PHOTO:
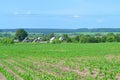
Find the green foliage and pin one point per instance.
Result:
(51, 35)
(67, 38)
(75, 39)
(103, 39)
(92, 39)
(118, 37)
(21, 34)
(57, 41)
(110, 37)
(6, 41)
(83, 39)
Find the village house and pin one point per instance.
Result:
(52, 39)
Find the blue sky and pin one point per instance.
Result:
(59, 14)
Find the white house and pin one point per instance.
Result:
(26, 39)
(61, 38)
(39, 39)
(52, 39)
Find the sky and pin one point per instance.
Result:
(59, 14)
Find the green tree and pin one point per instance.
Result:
(103, 39)
(6, 41)
(67, 38)
(51, 35)
(110, 37)
(98, 39)
(92, 39)
(21, 34)
(117, 36)
(83, 39)
(75, 39)
(58, 41)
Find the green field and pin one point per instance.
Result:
(24, 61)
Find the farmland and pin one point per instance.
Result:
(72, 61)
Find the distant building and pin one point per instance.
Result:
(61, 38)
(26, 40)
(39, 39)
(16, 41)
(52, 39)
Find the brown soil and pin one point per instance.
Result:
(118, 77)
(94, 73)
(2, 77)
(81, 73)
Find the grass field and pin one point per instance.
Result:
(60, 61)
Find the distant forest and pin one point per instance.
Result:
(47, 31)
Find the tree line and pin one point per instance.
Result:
(21, 34)
(110, 37)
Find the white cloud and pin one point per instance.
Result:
(22, 13)
(76, 16)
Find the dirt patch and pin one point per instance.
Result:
(81, 73)
(2, 77)
(1, 65)
(109, 57)
(19, 69)
(95, 73)
(118, 77)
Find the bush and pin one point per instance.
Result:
(110, 38)
(75, 39)
(57, 41)
(83, 39)
(6, 41)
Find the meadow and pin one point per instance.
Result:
(66, 61)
